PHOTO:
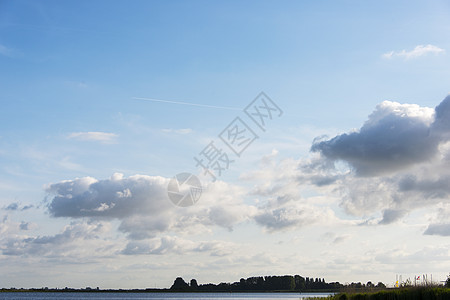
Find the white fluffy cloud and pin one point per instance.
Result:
(394, 137)
(117, 197)
(418, 51)
(141, 204)
(399, 162)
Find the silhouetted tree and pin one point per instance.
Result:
(242, 284)
(194, 284)
(299, 282)
(269, 283)
(179, 285)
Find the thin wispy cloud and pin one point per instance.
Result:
(418, 51)
(96, 136)
(77, 84)
(187, 103)
(177, 131)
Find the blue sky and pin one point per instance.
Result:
(363, 206)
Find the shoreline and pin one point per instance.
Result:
(166, 291)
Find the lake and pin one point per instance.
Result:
(161, 296)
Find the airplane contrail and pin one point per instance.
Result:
(187, 103)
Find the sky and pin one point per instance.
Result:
(340, 169)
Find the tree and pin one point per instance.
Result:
(299, 282)
(179, 285)
(287, 283)
(447, 282)
(242, 284)
(381, 285)
(194, 284)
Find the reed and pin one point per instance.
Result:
(410, 293)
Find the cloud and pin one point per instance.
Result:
(428, 187)
(439, 222)
(77, 84)
(398, 161)
(279, 187)
(12, 206)
(427, 254)
(4, 226)
(116, 197)
(171, 244)
(24, 225)
(334, 238)
(418, 51)
(98, 136)
(12, 228)
(438, 229)
(396, 136)
(61, 244)
(341, 238)
(141, 204)
(441, 125)
(391, 216)
(15, 206)
(177, 131)
(287, 213)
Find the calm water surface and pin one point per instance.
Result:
(158, 296)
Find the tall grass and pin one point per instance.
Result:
(411, 293)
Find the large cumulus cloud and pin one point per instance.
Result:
(141, 204)
(117, 197)
(394, 137)
(399, 161)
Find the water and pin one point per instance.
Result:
(161, 296)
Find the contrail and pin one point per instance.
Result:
(188, 103)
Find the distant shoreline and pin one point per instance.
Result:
(150, 290)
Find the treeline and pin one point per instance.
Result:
(295, 283)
